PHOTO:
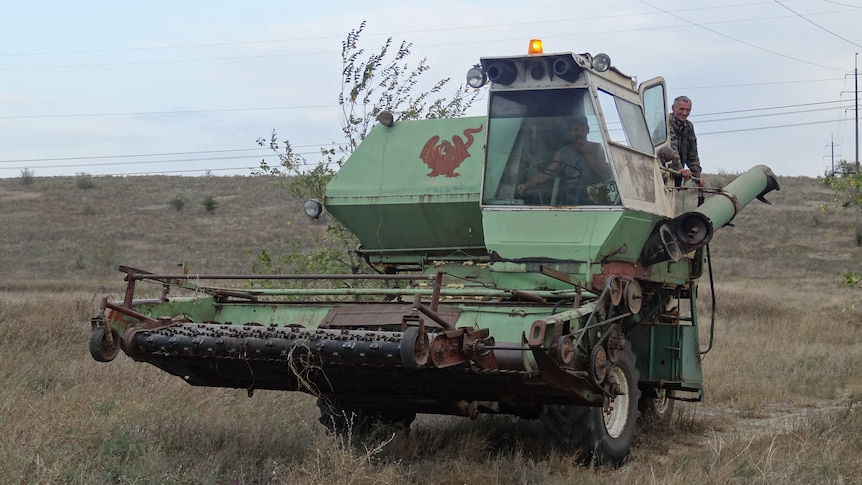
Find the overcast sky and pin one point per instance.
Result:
(187, 86)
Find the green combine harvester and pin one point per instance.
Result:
(534, 262)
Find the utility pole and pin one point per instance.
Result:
(832, 146)
(856, 92)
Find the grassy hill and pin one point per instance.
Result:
(783, 381)
(79, 229)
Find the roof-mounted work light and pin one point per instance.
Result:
(502, 72)
(601, 62)
(476, 77)
(566, 69)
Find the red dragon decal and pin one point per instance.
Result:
(445, 157)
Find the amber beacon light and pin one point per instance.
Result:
(535, 47)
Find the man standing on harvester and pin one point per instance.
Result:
(684, 142)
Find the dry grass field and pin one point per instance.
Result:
(783, 381)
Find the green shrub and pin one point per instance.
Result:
(210, 203)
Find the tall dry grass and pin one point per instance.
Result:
(783, 381)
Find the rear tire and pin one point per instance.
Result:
(605, 434)
(656, 405)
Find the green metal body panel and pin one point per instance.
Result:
(672, 273)
(625, 241)
(413, 189)
(201, 309)
(515, 235)
(567, 235)
(669, 354)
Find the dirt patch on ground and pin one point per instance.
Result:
(776, 418)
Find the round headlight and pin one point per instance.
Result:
(313, 208)
(601, 62)
(476, 77)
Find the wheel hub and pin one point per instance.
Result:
(615, 411)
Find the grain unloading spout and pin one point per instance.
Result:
(688, 232)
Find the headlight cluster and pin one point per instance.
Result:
(536, 66)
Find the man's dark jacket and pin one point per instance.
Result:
(684, 144)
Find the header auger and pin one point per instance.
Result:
(572, 300)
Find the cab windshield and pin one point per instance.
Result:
(545, 148)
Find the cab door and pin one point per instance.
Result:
(654, 101)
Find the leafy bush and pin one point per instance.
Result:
(210, 203)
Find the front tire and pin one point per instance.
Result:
(100, 349)
(604, 434)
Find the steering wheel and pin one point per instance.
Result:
(548, 192)
(571, 171)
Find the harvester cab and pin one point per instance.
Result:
(528, 262)
(570, 177)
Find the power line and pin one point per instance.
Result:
(186, 111)
(126, 156)
(842, 4)
(311, 164)
(153, 162)
(772, 107)
(471, 27)
(145, 162)
(266, 152)
(817, 25)
(766, 127)
(227, 110)
(171, 61)
(163, 47)
(162, 172)
(749, 44)
(164, 154)
(764, 115)
(770, 83)
(139, 162)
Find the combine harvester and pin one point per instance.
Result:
(512, 277)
